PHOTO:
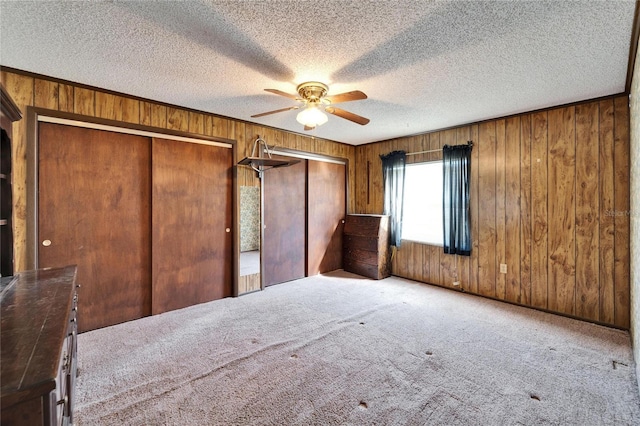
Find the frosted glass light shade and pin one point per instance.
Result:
(311, 117)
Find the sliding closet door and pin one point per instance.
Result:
(192, 219)
(93, 211)
(283, 243)
(326, 211)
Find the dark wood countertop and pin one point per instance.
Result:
(35, 313)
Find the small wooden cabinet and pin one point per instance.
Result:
(39, 347)
(366, 245)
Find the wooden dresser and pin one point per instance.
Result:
(39, 349)
(366, 245)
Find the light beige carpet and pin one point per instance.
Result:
(340, 349)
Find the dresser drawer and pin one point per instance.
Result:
(364, 269)
(363, 256)
(363, 225)
(351, 242)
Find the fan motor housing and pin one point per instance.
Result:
(312, 91)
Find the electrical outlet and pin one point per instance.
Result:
(503, 268)
(456, 283)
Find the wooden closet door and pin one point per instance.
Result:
(192, 218)
(326, 211)
(94, 211)
(284, 217)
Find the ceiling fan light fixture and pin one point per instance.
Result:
(311, 116)
(314, 99)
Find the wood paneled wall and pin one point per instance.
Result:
(549, 198)
(40, 91)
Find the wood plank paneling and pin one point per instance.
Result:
(66, 97)
(145, 113)
(512, 210)
(561, 201)
(501, 225)
(475, 209)
(21, 89)
(434, 265)
(130, 110)
(108, 106)
(46, 94)
(487, 256)
(587, 208)
(622, 206)
(447, 261)
(539, 256)
(606, 224)
(526, 216)
(248, 283)
(208, 129)
(550, 199)
(415, 262)
(463, 262)
(177, 119)
(220, 127)
(196, 123)
(159, 116)
(84, 101)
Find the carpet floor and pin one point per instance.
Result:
(338, 349)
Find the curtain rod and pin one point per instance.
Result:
(424, 152)
(432, 150)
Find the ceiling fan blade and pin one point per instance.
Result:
(355, 95)
(347, 115)
(281, 93)
(275, 111)
(307, 128)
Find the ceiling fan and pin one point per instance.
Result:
(313, 96)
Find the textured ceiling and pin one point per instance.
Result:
(425, 65)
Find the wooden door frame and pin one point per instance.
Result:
(304, 155)
(36, 115)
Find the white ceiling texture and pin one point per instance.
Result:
(425, 65)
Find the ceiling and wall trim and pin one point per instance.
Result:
(633, 47)
(138, 98)
(473, 123)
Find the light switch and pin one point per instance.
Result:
(503, 268)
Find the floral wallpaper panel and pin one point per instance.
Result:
(249, 218)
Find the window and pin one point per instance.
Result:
(422, 211)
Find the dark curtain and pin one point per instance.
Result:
(456, 168)
(393, 165)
